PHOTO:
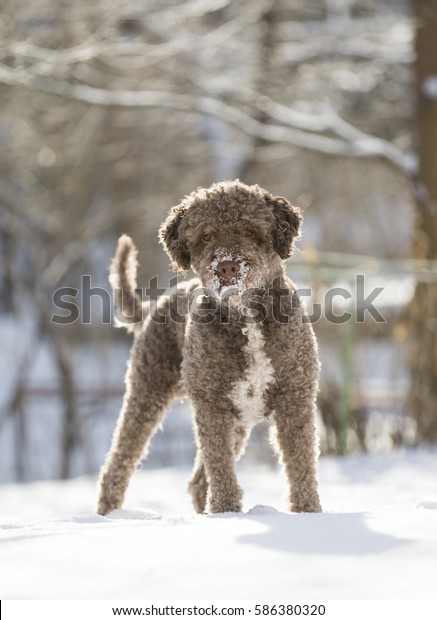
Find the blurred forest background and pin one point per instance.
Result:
(111, 111)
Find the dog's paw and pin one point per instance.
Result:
(225, 506)
(306, 507)
(104, 506)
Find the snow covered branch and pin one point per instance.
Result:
(294, 129)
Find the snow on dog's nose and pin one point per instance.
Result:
(228, 271)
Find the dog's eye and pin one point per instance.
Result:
(207, 236)
(248, 232)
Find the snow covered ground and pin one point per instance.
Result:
(376, 540)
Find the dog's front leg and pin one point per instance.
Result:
(297, 443)
(198, 485)
(216, 438)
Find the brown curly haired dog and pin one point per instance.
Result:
(235, 341)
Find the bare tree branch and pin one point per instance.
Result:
(296, 53)
(362, 145)
(328, 120)
(140, 53)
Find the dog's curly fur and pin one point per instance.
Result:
(235, 368)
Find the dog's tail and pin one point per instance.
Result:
(129, 312)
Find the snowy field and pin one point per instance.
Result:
(376, 540)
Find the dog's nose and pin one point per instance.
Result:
(228, 270)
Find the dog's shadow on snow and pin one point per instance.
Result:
(320, 533)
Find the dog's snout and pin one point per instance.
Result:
(228, 270)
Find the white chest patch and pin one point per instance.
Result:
(248, 393)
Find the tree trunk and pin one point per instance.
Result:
(423, 309)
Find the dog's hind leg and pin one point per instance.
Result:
(149, 390)
(198, 484)
(241, 435)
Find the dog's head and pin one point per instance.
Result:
(233, 235)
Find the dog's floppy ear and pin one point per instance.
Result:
(287, 224)
(173, 241)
